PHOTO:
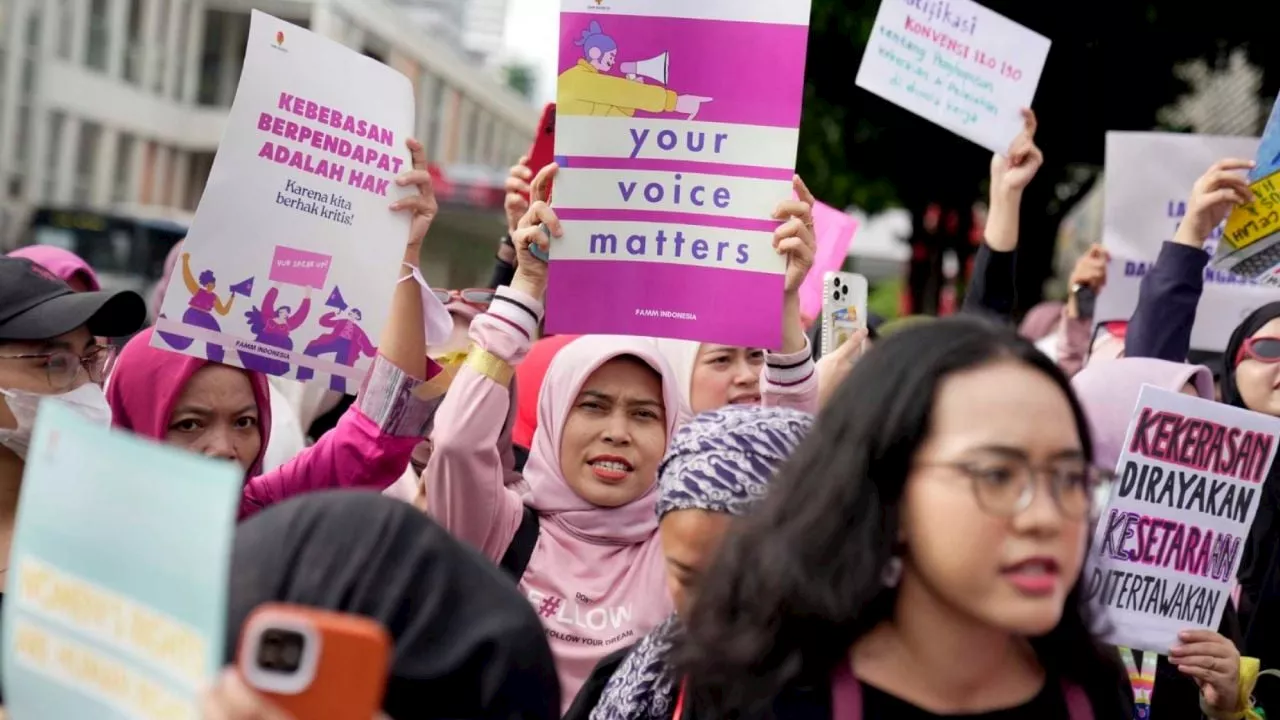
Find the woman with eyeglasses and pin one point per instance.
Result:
(48, 351)
(920, 555)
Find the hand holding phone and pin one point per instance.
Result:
(844, 308)
(315, 664)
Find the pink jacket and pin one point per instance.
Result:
(596, 575)
(369, 448)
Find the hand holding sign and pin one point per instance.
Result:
(795, 237)
(1214, 663)
(1215, 194)
(423, 204)
(516, 203)
(531, 271)
(1012, 172)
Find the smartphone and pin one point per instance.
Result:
(844, 308)
(1086, 300)
(316, 664)
(543, 151)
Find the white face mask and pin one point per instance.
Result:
(88, 400)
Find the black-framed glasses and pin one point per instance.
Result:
(64, 366)
(1006, 486)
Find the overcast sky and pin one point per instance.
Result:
(532, 35)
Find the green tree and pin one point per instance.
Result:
(521, 78)
(1111, 67)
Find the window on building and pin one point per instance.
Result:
(66, 11)
(95, 55)
(215, 27)
(184, 32)
(53, 153)
(470, 124)
(436, 119)
(86, 161)
(160, 43)
(122, 180)
(133, 44)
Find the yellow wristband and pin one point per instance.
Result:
(489, 365)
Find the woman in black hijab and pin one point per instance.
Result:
(467, 644)
(1251, 373)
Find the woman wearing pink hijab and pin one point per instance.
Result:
(582, 539)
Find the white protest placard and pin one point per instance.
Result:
(957, 64)
(293, 254)
(1167, 548)
(1148, 179)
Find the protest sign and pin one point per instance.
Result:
(834, 231)
(1145, 202)
(116, 600)
(1250, 246)
(957, 64)
(1167, 548)
(297, 201)
(672, 167)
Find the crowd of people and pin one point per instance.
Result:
(610, 527)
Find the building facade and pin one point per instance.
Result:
(110, 103)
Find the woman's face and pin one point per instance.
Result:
(1258, 381)
(615, 434)
(725, 375)
(282, 314)
(31, 374)
(690, 539)
(1012, 573)
(217, 416)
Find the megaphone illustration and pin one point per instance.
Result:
(335, 300)
(244, 288)
(654, 67)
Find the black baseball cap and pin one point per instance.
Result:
(36, 305)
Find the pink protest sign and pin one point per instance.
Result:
(672, 165)
(299, 267)
(835, 234)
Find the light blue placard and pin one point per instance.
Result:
(1269, 149)
(115, 604)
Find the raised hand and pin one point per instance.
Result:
(531, 272)
(423, 205)
(1221, 188)
(795, 237)
(516, 203)
(1011, 173)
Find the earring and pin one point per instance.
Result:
(892, 572)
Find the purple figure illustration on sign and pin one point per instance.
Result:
(204, 303)
(346, 341)
(271, 325)
(588, 88)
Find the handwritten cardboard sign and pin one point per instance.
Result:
(956, 64)
(1167, 547)
(115, 604)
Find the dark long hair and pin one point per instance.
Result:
(798, 581)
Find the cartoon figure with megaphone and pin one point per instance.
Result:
(587, 88)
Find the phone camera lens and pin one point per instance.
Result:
(281, 651)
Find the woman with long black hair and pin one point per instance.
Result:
(920, 556)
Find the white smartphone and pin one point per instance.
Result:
(844, 308)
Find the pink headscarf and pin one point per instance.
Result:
(63, 263)
(1109, 393)
(1041, 320)
(548, 492)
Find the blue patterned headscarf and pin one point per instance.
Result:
(721, 461)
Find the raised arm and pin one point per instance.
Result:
(790, 378)
(187, 278)
(993, 287)
(372, 443)
(224, 308)
(299, 316)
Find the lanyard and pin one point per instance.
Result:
(1143, 683)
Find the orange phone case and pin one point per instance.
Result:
(350, 669)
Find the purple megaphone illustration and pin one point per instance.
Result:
(335, 300)
(244, 287)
